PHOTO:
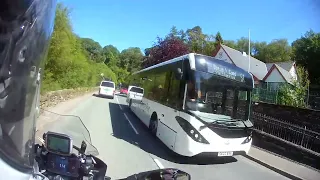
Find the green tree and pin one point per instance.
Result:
(175, 33)
(111, 55)
(230, 43)
(218, 38)
(67, 65)
(196, 39)
(94, 50)
(295, 95)
(209, 45)
(277, 50)
(306, 52)
(131, 59)
(243, 44)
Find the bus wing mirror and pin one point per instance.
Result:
(178, 73)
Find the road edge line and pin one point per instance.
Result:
(158, 163)
(283, 157)
(277, 170)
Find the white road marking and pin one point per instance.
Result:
(119, 103)
(11, 130)
(135, 130)
(158, 163)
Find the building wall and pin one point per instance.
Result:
(275, 76)
(223, 56)
(274, 80)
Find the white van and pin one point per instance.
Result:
(135, 93)
(107, 88)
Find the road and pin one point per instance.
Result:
(126, 145)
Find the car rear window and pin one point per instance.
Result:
(136, 90)
(107, 84)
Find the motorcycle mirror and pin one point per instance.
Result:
(83, 147)
(178, 73)
(165, 174)
(176, 175)
(44, 135)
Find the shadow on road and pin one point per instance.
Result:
(101, 96)
(147, 142)
(123, 95)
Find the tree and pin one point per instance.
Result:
(68, 64)
(174, 33)
(196, 39)
(306, 52)
(147, 51)
(277, 50)
(111, 55)
(165, 50)
(218, 38)
(209, 45)
(295, 95)
(230, 43)
(243, 44)
(94, 50)
(131, 59)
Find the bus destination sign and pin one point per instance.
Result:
(225, 71)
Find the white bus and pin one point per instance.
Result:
(196, 105)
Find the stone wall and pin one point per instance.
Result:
(51, 99)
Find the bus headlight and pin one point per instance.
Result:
(191, 131)
(248, 139)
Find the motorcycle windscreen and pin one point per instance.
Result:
(66, 124)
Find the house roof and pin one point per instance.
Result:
(269, 66)
(285, 65)
(257, 68)
(284, 73)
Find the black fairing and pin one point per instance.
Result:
(25, 30)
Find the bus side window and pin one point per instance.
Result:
(158, 91)
(147, 85)
(174, 98)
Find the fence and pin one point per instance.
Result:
(265, 95)
(294, 135)
(312, 98)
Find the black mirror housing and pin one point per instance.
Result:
(179, 73)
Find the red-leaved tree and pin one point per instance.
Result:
(165, 49)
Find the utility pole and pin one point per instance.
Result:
(249, 53)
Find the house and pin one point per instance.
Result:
(280, 73)
(269, 75)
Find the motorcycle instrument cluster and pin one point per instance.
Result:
(58, 143)
(64, 165)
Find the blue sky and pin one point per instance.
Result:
(137, 23)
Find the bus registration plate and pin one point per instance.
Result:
(225, 153)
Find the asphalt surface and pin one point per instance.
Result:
(126, 145)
